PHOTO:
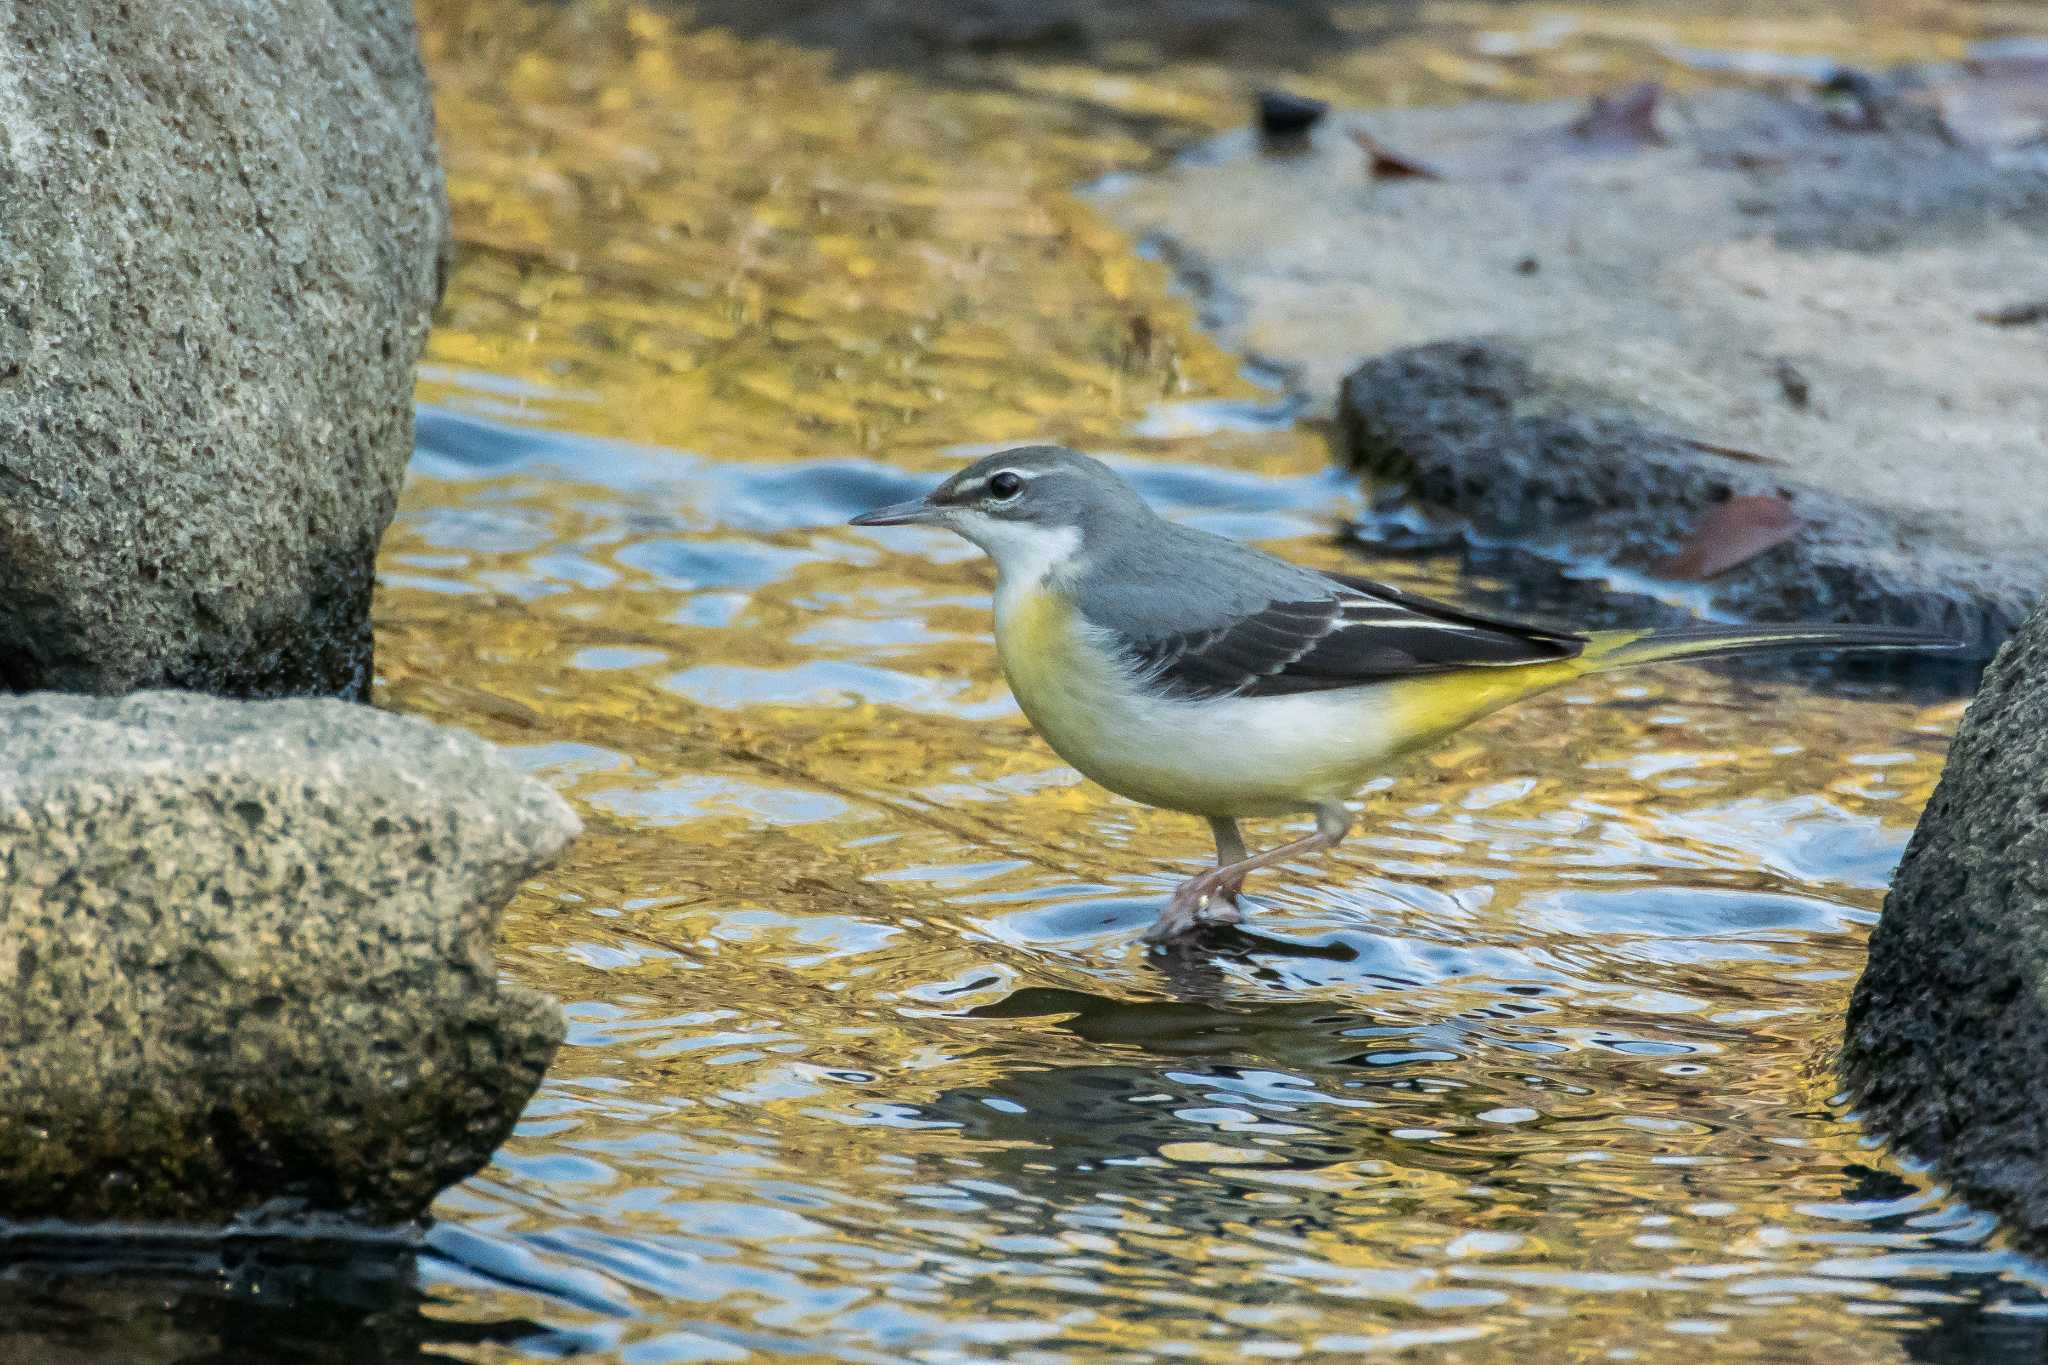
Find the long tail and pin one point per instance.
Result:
(1607, 649)
(1429, 707)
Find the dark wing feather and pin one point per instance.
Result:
(1364, 632)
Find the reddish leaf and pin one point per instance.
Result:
(1384, 163)
(1733, 533)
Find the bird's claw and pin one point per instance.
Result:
(1194, 907)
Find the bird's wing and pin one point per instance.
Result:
(1361, 632)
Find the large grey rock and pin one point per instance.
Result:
(1529, 453)
(1557, 332)
(1946, 1045)
(246, 957)
(221, 223)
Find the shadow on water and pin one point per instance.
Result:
(1063, 1137)
(157, 1298)
(1962, 1332)
(1106, 1118)
(864, 1062)
(918, 34)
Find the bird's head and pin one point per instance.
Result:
(1030, 509)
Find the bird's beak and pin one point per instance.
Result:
(898, 514)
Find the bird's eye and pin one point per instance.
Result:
(1005, 485)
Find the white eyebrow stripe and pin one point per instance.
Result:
(975, 487)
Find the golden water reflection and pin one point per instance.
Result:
(865, 1061)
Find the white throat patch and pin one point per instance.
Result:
(1024, 553)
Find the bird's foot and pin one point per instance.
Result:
(1203, 902)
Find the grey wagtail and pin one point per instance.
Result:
(1193, 673)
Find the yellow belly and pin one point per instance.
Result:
(1233, 756)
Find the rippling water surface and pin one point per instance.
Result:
(864, 1060)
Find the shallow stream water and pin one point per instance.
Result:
(864, 1060)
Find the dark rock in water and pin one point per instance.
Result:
(221, 228)
(1525, 454)
(1567, 323)
(246, 958)
(1285, 115)
(1947, 1037)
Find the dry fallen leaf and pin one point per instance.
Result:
(1384, 163)
(2017, 314)
(1612, 125)
(1733, 533)
(1731, 452)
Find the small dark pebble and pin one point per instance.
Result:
(1282, 115)
(1794, 382)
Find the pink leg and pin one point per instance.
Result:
(1211, 898)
